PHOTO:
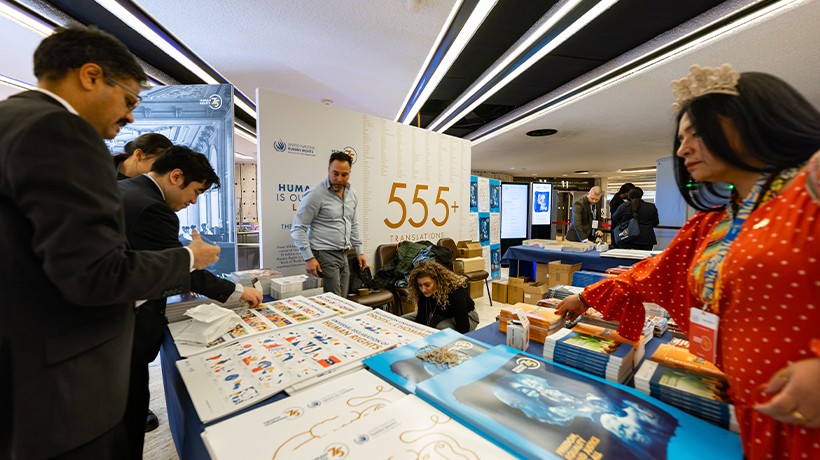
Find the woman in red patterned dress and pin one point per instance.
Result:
(746, 158)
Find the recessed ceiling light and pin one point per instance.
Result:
(582, 171)
(638, 170)
(541, 132)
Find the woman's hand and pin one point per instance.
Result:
(796, 399)
(570, 308)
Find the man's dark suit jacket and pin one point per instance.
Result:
(151, 224)
(67, 281)
(648, 219)
(580, 226)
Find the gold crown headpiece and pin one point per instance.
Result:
(705, 80)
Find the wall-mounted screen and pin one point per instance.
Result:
(541, 198)
(514, 204)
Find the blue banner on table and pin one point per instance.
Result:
(541, 410)
(495, 261)
(484, 228)
(473, 194)
(403, 368)
(495, 195)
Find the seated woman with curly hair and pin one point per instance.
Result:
(441, 297)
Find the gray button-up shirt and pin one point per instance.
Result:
(325, 221)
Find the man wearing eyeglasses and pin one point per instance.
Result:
(67, 278)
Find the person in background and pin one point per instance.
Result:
(619, 197)
(615, 203)
(746, 156)
(646, 215)
(584, 225)
(442, 298)
(68, 278)
(325, 226)
(140, 154)
(151, 202)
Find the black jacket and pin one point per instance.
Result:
(430, 313)
(647, 216)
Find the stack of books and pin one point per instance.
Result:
(602, 356)
(676, 354)
(543, 320)
(699, 394)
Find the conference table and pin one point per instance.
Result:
(186, 427)
(529, 255)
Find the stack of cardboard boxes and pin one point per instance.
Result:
(520, 289)
(471, 260)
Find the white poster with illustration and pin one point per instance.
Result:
(412, 184)
(485, 220)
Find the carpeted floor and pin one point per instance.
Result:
(159, 445)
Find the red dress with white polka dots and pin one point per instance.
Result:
(769, 306)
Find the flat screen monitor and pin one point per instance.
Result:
(514, 205)
(541, 199)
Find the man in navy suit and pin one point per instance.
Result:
(151, 201)
(67, 277)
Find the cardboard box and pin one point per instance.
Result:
(543, 320)
(476, 289)
(561, 273)
(517, 279)
(499, 291)
(473, 264)
(542, 273)
(468, 249)
(533, 292)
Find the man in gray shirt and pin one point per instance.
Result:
(325, 226)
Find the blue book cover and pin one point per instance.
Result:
(403, 368)
(543, 410)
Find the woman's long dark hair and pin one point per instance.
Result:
(634, 195)
(152, 144)
(776, 124)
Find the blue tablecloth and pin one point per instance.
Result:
(591, 260)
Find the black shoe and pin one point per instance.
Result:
(152, 422)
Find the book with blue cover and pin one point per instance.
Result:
(601, 356)
(403, 367)
(543, 410)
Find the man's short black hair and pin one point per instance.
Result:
(194, 165)
(74, 46)
(340, 156)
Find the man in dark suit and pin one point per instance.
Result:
(584, 223)
(67, 277)
(151, 201)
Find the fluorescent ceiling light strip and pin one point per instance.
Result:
(427, 61)
(475, 20)
(571, 30)
(26, 19)
(151, 35)
(135, 23)
(515, 54)
(244, 134)
(694, 44)
(14, 83)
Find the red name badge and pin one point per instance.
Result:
(703, 330)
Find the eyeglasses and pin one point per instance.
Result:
(131, 105)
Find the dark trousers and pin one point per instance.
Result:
(335, 271)
(150, 324)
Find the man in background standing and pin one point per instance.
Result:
(584, 223)
(616, 201)
(325, 226)
(151, 201)
(68, 280)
